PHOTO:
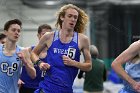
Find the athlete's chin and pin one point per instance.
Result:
(71, 29)
(15, 40)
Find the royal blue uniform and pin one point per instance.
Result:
(59, 78)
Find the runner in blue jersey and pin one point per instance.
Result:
(11, 58)
(29, 85)
(64, 48)
(131, 74)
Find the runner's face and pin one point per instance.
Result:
(13, 32)
(70, 19)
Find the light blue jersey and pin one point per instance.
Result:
(133, 70)
(10, 68)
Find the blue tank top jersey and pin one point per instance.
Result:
(29, 82)
(60, 75)
(10, 69)
(133, 70)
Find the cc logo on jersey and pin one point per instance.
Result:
(9, 70)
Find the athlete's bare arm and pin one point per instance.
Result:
(44, 43)
(25, 57)
(126, 56)
(84, 47)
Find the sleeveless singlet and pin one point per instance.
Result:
(10, 69)
(60, 76)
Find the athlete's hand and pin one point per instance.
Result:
(24, 55)
(68, 61)
(44, 66)
(20, 83)
(136, 86)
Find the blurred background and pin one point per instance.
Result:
(113, 24)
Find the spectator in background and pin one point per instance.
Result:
(94, 79)
(29, 85)
(2, 38)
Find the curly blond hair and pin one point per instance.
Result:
(81, 21)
